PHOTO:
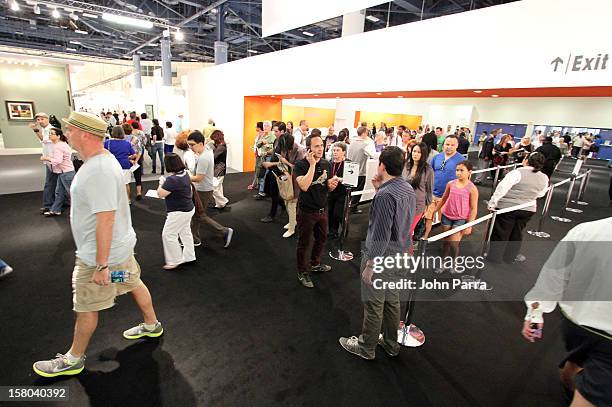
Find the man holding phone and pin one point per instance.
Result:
(102, 229)
(313, 177)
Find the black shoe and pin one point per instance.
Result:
(162, 173)
(356, 211)
(267, 219)
(388, 351)
(153, 172)
(259, 197)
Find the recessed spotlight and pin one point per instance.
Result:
(477, 91)
(315, 95)
(494, 96)
(400, 96)
(373, 19)
(378, 93)
(308, 33)
(337, 97)
(272, 96)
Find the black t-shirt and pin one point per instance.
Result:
(315, 197)
(180, 198)
(338, 170)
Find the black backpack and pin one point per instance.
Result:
(54, 122)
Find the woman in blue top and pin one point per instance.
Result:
(177, 191)
(123, 152)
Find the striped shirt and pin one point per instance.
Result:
(391, 215)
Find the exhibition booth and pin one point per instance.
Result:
(526, 87)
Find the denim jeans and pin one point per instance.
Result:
(159, 149)
(262, 180)
(49, 190)
(62, 190)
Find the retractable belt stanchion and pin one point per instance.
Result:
(583, 184)
(409, 334)
(539, 232)
(561, 217)
(340, 254)
(489, 232)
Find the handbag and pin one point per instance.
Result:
(419, 229)
(285, 186)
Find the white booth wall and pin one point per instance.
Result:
(506, 46)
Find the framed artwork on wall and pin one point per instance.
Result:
(19, 110)
(150, 112)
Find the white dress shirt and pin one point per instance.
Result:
(577, 277)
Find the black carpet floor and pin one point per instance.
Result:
(241, 330)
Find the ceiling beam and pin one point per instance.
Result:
(250, 27)
(181, 24)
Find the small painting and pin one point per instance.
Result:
(20, 111)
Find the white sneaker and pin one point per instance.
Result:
(6, 271)
(289, 233)
(286, 226)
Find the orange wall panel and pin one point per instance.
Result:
(256, 109)
(391, 119)
(316, 117)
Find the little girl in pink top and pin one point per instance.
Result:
(459, 206)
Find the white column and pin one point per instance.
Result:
(137, 73)
(353, 23)
(166, 62)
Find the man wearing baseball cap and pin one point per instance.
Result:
(41, 129)
(102, 230)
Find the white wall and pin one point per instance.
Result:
(521, 36)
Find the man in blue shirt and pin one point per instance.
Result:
(444, 166)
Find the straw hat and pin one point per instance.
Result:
(87, 122)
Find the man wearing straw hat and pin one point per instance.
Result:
(102, 230)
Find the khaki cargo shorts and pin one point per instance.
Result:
(431, 208)
(87, 296)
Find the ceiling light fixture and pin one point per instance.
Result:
(179, 36)
(55, 13)
(90, 15)
(75, 42)
(36, 9)
(373, 19)
(73, 16)
(477, 91)
(400, 96)
(70, 49)
(14, 6)
(81, 32)
(115, 18)
(494, 96)
(315, 95)
(378, 93)
(337, 97)
(253, 51)
(308, 33)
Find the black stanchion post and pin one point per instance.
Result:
(341, 254)
(547, 200)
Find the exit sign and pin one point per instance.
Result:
(580, 63)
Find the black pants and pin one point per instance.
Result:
(507, 235)
(138, 172)
(335, 205)
(310, 224)
(575, 151)
(360, 184)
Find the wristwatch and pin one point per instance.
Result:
(100, 267)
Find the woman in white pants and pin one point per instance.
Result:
(220, 152)
(176, 189)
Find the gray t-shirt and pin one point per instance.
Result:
(206, 166)
(99, 186)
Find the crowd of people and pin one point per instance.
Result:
(421, 175)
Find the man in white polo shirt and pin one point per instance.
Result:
(41, 128)
(105, 266)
